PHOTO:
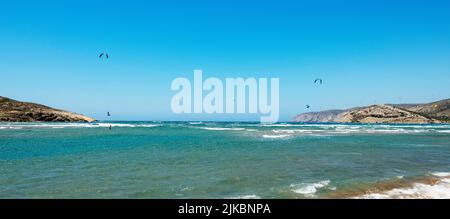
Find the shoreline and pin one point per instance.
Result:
(433, 186)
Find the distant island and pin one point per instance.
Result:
(17, 111)
(435, 112)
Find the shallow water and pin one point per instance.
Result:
(213, 160)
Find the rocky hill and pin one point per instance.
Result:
(435, 112)
(438, 110)
(323, 116)
(16, 111)
(383, 114)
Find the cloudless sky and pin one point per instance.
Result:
(366, 52)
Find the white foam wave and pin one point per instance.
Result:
(127, 125)
(281, 129)
(77, 125)
(251, 130)
(293, 131)
(356, 126)
(10, 127)
(354, 130)
(309, 189)
(222, 129)
(441, 174)
(245, 197)
(410, 126)
(307, 125)
(189, 188)
(275, 136)
(440, 190)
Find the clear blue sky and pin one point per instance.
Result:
(366, 52)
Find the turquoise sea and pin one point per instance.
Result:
(223, 160)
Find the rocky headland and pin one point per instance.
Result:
(17, 111)
(435, 112)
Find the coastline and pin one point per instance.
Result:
(433, 186)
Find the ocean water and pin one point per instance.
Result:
(223, 160)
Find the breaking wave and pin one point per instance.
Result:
(223, 129)
(76, 125)
(310, 189)
(274, 131)
(441, 174)
(275, 136)
(245, 197)
(438, 189)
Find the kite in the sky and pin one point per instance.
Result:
(103, 54)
